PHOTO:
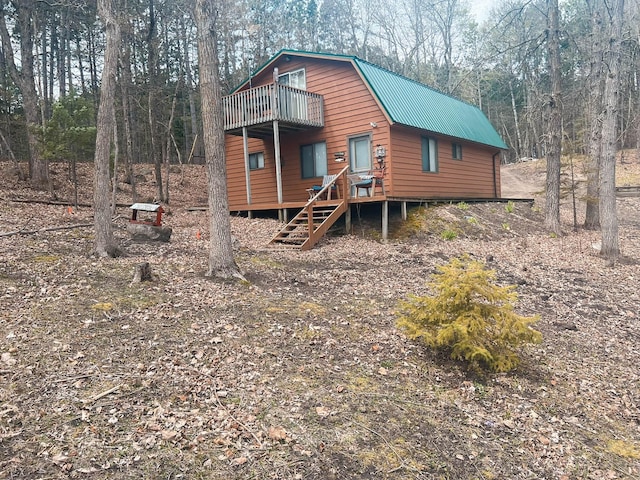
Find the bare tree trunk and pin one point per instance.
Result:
(116, 154)
(83, 88)
(21, 176)
(25, 80)
(608, 213)
(125, 82)
(189, 84)
(221, 261)
(518, 146)
(169, 135)
(44, 73)
(93, 69)
(595, 84)
(156, 145)
(554, 132)
(104, 243)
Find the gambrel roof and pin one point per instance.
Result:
(407, 102)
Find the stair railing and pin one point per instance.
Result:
(342, 177)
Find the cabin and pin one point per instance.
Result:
(311, 134)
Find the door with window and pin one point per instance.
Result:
(360, 154)
(293, 105)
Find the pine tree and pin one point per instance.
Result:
(470, 316)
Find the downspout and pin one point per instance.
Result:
(495, 182)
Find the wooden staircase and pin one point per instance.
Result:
(316, 217)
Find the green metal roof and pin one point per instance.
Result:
(414, 104)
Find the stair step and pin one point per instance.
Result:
(293, 228)
(296, 233)
(293, 234)
(292, 241)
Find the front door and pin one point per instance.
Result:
(360, 154)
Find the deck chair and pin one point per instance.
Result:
(361, 182)
(326, 180)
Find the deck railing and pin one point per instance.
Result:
(272, 102)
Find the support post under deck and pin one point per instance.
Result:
(385, 220)
(347, 219)
(247, 167)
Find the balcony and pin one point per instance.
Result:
(257, 108)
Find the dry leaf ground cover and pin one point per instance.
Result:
(300, 373)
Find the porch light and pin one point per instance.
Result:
(339, 156)
(380, 153)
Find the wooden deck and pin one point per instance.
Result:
(257, 108)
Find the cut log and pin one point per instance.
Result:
(142, 273)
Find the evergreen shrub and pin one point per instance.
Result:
(470, 316)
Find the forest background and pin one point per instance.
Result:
(195, 378)
(52, 55)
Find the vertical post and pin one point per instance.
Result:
(403, 209)
(247, 167)
(310, 221)
(347, 219)
(276, 133)
(385, 220)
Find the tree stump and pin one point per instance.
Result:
(142, 273)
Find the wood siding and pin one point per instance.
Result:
(470, 177)
(350, 109)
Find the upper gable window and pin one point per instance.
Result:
(456, 151)
(296, 79)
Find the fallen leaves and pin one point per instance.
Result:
(277, 433)
(323, 412)
(303, 371)
(8, 359)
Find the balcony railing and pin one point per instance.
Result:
(257, 105)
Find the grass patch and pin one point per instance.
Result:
(264, 261)
(510, 206)
(448, 234)
(102, 306)
(415, 222)
(623, 449)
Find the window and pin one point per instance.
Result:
(256, 161)
(296, 79)
(456, 151)
(429, 154)
(313, 160)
